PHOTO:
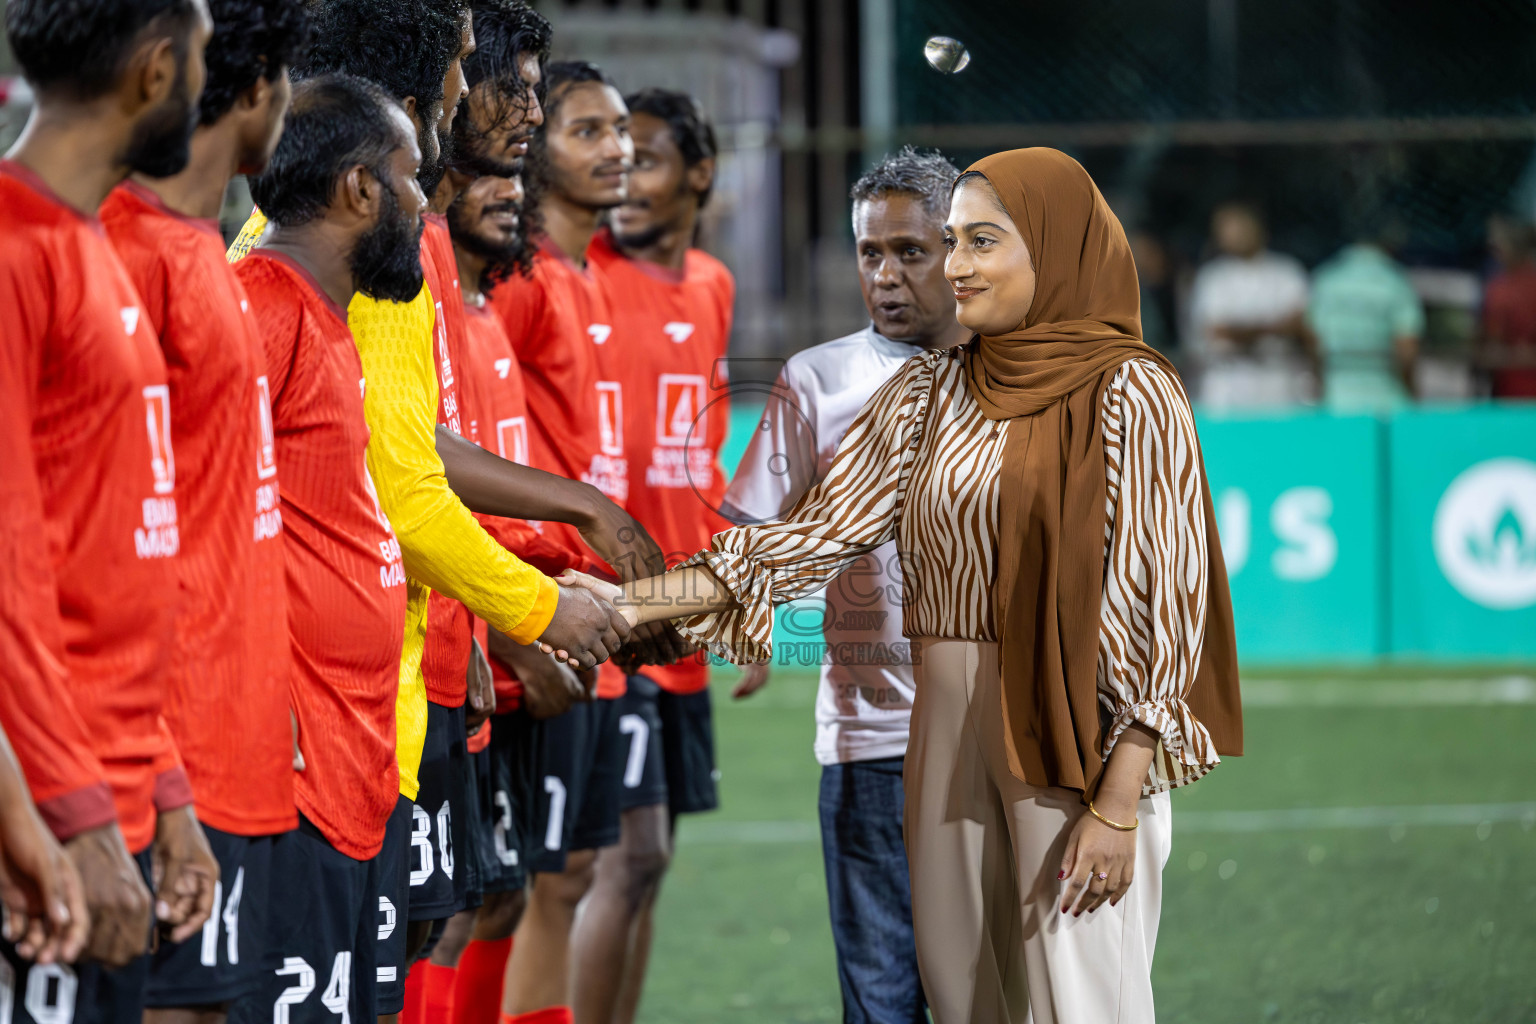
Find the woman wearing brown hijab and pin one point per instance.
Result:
(1065, 598)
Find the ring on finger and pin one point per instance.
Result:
(1103, 875)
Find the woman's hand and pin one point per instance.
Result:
(1100, 860)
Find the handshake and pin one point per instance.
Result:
(593, 622)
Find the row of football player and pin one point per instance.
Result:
(270, 516)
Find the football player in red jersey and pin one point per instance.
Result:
(88, 486)
(490, 138)
(556, 318)
(227, 702)
(672, 303)
(346, 212)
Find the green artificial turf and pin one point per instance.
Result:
(1386, 923)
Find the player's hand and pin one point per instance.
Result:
(480, 702)
(115, 894)
(586, 630)
(185, 873)
(621, 541)
(753, 678)
(551, 687)
(636, 652)
(45, 914)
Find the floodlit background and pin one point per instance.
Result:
(1373, 858)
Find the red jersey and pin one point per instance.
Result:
(496, 410)
(346, 583)
(667, 357)
(1509, 317)
(445, 658)
(87, 490)
(557, 320)
(227, 685)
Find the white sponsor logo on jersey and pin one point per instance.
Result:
(680, 399)
(512, 439)
(610, 416)
(157, 420)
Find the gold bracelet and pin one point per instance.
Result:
(1132, 827)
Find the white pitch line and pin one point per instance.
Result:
(1352, 817)
(752, 833)
(1280, 693)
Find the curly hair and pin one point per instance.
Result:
(403, 45)
(252, 39)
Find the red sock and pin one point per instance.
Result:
(548, 1015)
(437, 1004)
(415, 994)
(477, 988)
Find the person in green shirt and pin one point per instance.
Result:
(1368, 321)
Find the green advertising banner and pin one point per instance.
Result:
(1463, 498)
(1299, 505)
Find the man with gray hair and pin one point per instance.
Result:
(864, 704)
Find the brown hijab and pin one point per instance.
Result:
(1050, 376)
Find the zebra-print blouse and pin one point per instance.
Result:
(920, 464)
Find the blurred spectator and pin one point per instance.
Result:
(1154, 272)
(1248, 307)
(1367, 321)
(1509, 312)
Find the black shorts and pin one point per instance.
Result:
(394, 904)
(671, 754)
(437, 825)
(579, 775)
(688, 748)
(472, 853)
(220, 964)
(82, 993)
(506, 801)
(320, 957)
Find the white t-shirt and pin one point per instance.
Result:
(1264, 289)
(864, 703)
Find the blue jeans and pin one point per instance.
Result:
(869, 893)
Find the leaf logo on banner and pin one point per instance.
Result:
(1485, 533)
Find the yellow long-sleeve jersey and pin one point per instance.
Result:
(443, 547)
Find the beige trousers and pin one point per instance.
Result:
(985, 847)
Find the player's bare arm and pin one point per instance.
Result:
(491, 485)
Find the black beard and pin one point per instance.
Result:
(161, 145)
(641, 239)
(501, 258)
(431, 173)
(386, 261)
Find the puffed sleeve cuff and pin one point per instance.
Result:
(172, 789)
(78, 811)
(542, 612)
(743, 635)
(1187, 752)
